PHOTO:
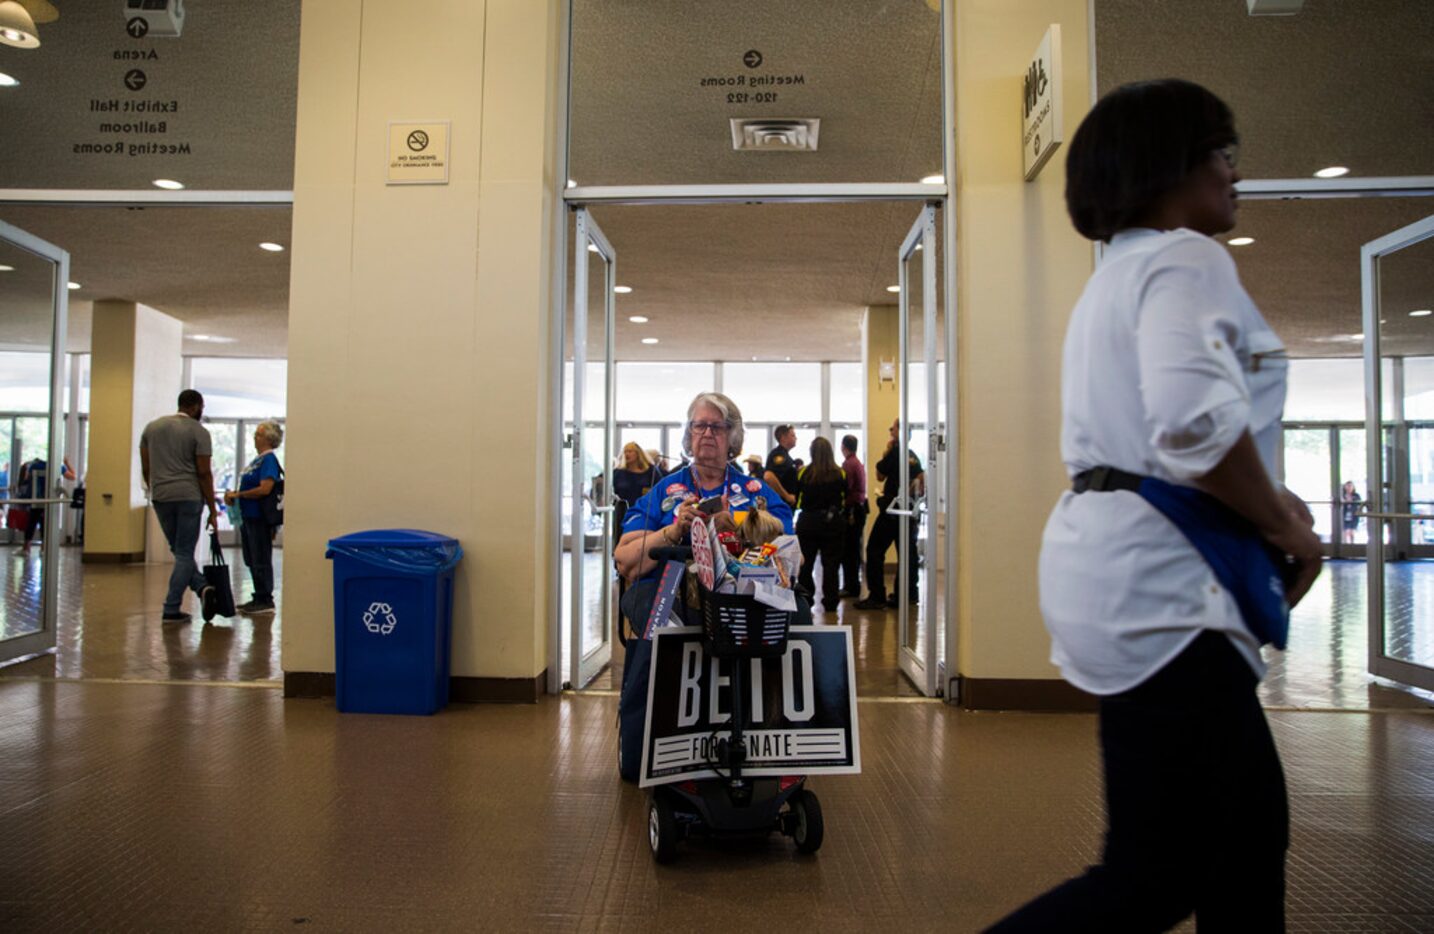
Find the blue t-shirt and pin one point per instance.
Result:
(654, 509)
(264, 467)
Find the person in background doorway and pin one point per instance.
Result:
(256, 534)
(1172, 390)
(886, 531)
(821, 523)
(174, 456)
(634, 475)
(1350, 501)
(781, 473)
(34, 483)
(856, 513)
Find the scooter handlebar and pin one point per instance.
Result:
(671, 553)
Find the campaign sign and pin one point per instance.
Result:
(800, 709)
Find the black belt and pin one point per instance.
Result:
(1105, 479)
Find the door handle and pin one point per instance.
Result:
(603, 509)
(1393, 515)
(901, 512)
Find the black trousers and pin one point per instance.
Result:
(884, 533)
(821, 533)
(851, 550)
(257, 538)
(1197, 817)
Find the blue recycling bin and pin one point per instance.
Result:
(393, 619)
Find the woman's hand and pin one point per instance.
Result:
(229, 497)
(683, 515)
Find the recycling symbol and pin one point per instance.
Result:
(379, 618)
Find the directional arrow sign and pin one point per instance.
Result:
(134, 79)
(137, 27)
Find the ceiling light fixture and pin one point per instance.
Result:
(271, 247)
(1334, 171)
(592, 248)
(622, 289)
(74, 285)
(1242, 241)
(642, 319)
(4, 268)
(168, 184)
(1421, 313)
(16, 27)
(8, 82)
(572, 184)
(213, 338)
(934, 180)
(893, 288)
(649, 340)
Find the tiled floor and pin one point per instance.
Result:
(195, 804)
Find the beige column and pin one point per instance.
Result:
(135, 373)
(419, 320)
(1021, 269)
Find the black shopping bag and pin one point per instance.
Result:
(216, 575)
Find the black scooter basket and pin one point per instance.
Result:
(736, 626)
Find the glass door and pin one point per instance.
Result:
(33, 303)
(1396, 279)
(920, 470)
(591, 540)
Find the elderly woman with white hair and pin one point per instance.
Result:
(258, 510)
(712, 437)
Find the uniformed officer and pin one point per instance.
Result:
(781, 473)
(886, 531)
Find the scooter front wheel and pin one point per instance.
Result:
(661, 829)
(809, 830)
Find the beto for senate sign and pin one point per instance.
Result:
(801, 707)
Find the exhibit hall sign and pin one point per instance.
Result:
(418, 153)
(801, 707)
(1042, 122)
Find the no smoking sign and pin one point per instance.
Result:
(418, 153)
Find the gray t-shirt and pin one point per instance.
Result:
(173, 442)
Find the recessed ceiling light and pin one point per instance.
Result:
(622, 289)
(893, 288)
(1242, 241)
(168, 184)
(271, 247)
(572, 184)
(1334, 171)
(8, 82)
(1421, 313)
(642, 319)
(592, 248)
(934, 180)
(4, 268)
(649, 340)
(212, 338)
(74, 285)
(1356, 337)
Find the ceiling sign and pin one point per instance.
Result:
(418, 153)
(1042, 124)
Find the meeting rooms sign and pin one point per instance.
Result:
(800, 708)
(1042, 119)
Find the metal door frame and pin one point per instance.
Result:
(44, 640)
(920, 666)
(1369, 255)
(583, 667)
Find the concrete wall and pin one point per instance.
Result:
(135, 375)
(1021, 267)
(418, 325)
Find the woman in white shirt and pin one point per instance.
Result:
(1172, 385)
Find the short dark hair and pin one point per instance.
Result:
(190, 398)
(1138, 143)
(848, 443)
(781, 430)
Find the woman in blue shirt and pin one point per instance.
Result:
(255, 483)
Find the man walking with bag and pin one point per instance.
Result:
(174, 454)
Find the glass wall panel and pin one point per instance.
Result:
(659, 392)
(848, 393)
(1332, 390)
(1353, 468)
(775, 392)
(1307, 459)
(24, 381)
(239, 387)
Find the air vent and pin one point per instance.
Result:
(767, 134)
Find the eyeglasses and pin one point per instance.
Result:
(1230, 153)
(711, 428)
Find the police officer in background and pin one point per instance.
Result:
(781, 472)
(886, 531)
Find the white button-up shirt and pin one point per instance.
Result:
(1167, 362)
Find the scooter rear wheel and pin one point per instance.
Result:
(809, 831)
(661, 829)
